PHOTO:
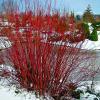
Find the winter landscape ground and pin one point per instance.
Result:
(7, 92)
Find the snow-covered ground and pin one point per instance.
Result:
(5, 93)
(92, 45)
(8, 94)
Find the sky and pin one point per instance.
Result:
(78, 6)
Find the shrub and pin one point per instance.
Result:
(44, 58)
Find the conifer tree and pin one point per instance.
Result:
(88, 15)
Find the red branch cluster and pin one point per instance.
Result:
(43, 56)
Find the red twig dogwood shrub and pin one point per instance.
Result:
(45, 54)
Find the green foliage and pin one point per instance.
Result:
(94, 36)
(91, 36)
(88, 16)
(86, 29)
(96, 25)
(78, 17)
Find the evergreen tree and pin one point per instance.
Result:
(88, 15)
(78, 17)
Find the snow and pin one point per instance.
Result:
(5, 93)
(4, 43)
(92, 45)
(87, 96)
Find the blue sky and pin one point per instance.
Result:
(78, 6)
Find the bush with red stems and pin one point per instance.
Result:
(45, 53)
